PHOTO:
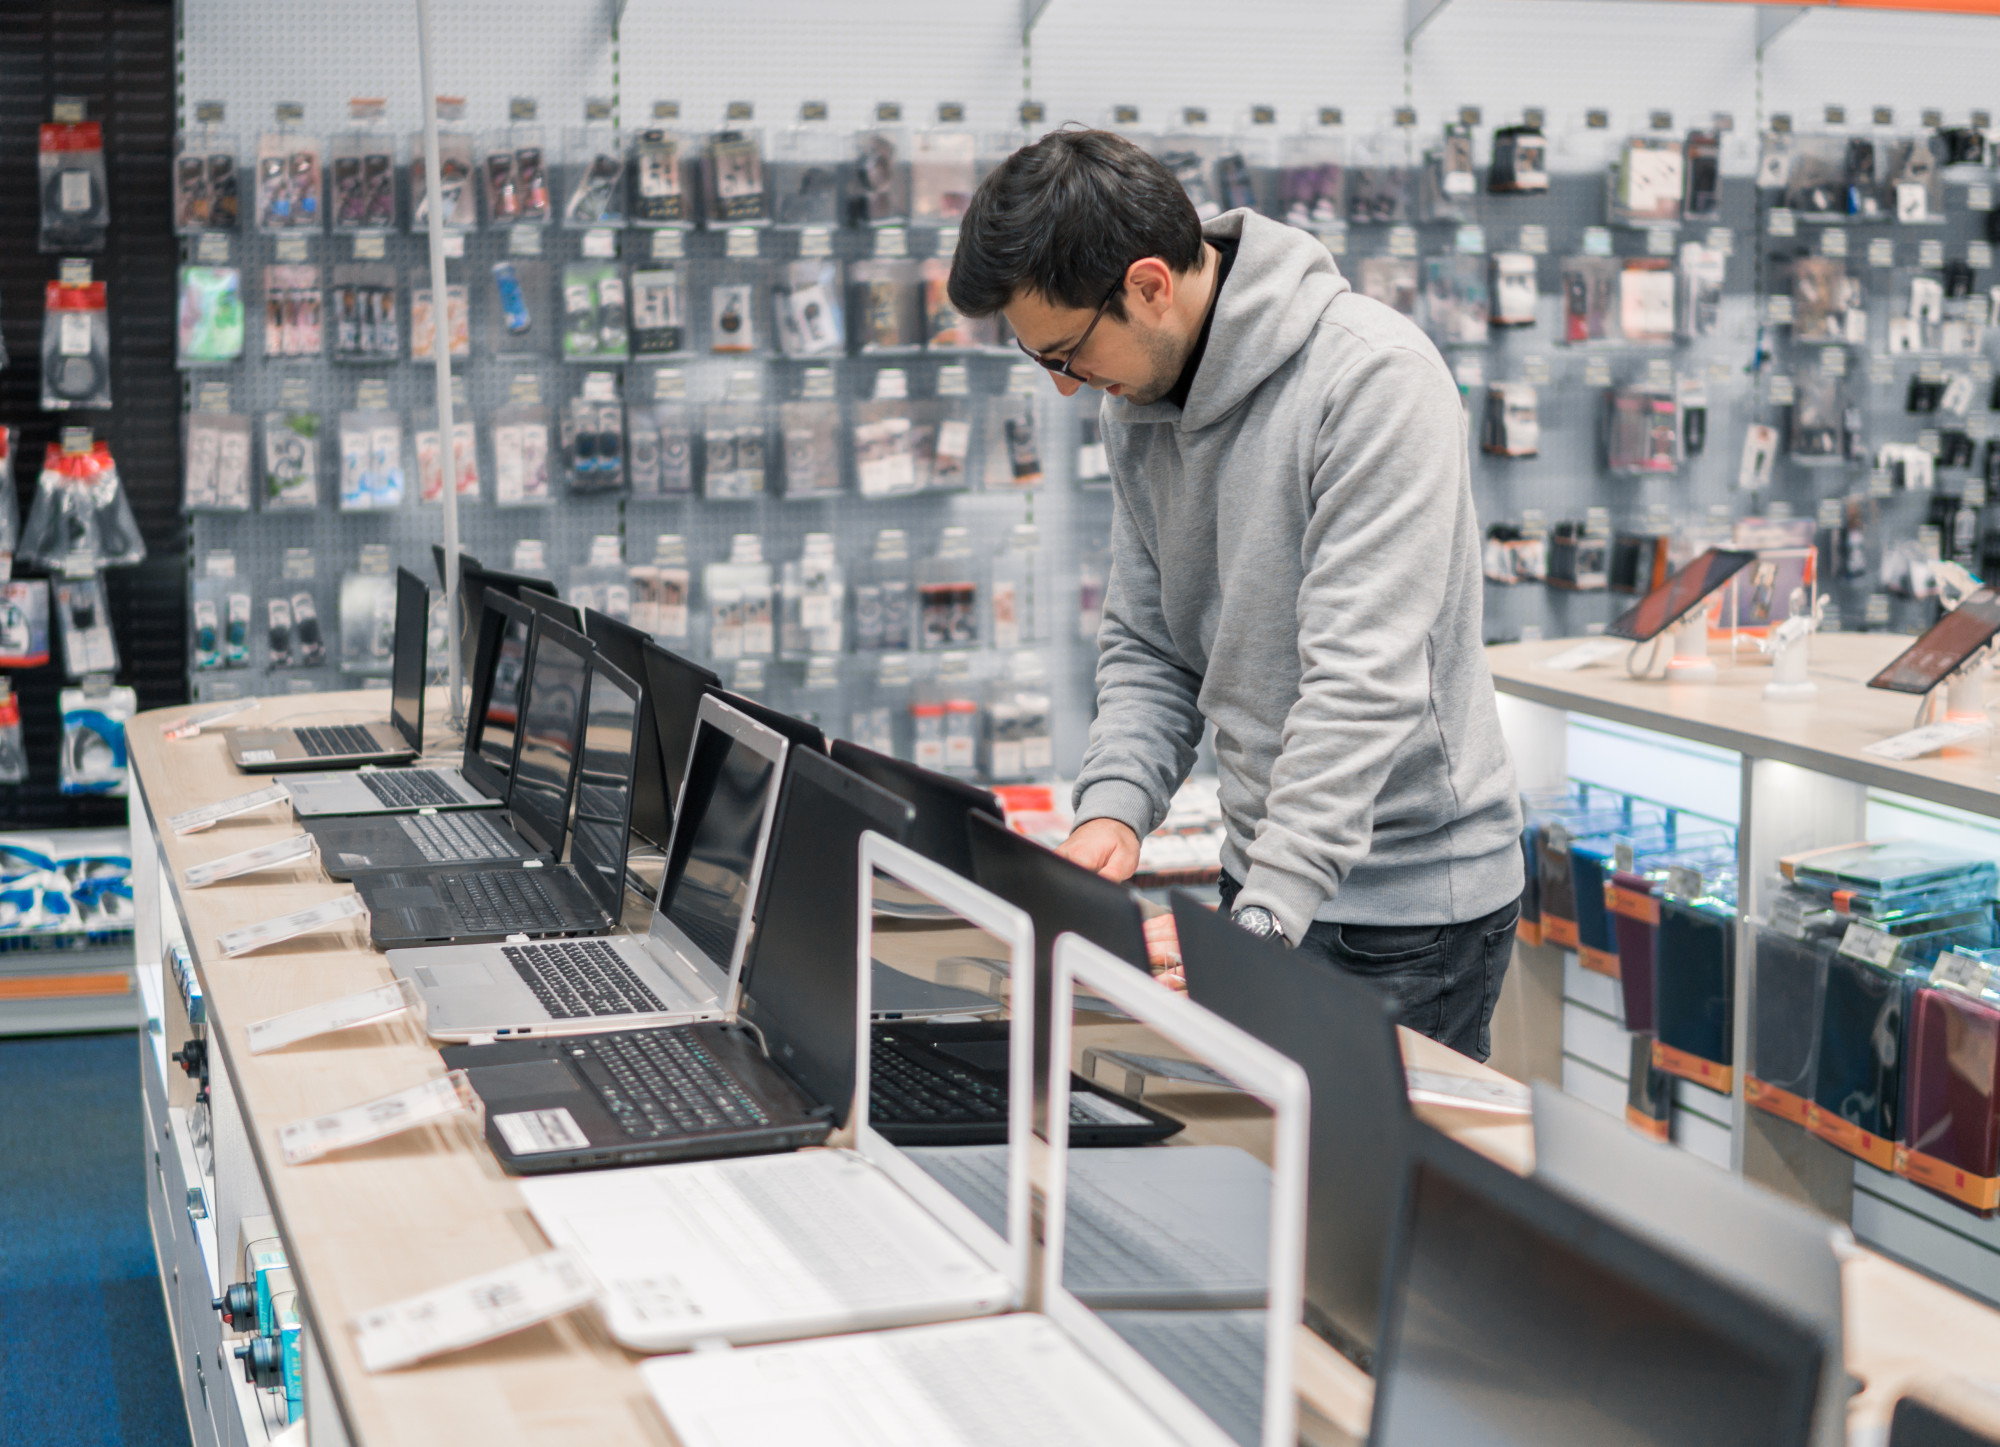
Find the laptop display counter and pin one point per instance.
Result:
(378, 1223)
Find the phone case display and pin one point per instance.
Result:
(886, 306)
(660, 591)
(80, 520)
(362, 163)
(368, 615)
(1520, 160)
(430, 457)
(943, 173)
(515, 176)
(206, 192)
(1794, 948)
(521, 456)
(734, 179)
(1512, 425)
(24, 623)
(1646, 292)
(660, 444)
(1456, 302)
(1514, 289)
(1392, 281)
(809, 433)
(367, 326)
(593, 437)
(1588, 285)
(596, 319)
(881, 170)
(76, 205)
(217, 463)
(1828, 305)
(288, 182)
(734, 449)
(884, 596)
(948, 594)
(292, 314)
(211, 315)
(806, 309)
(738, 595)
(458, 196)
(812, 601)
(93, 739)
(76, 348)
(732, 319)
(1015, 452)
(517, 309)
(423, 323)
(1642, 431)
(596, 194)
(659, 180)
(1703, 270)
(1694, 980)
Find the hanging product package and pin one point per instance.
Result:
(76, 207)
(24, 623)
(211, 315)
(93, 739)
(84, 625)
(10, 517)
(76, 348)
(81, 519)
(217, 463)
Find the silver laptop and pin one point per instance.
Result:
(1736, 1231)
(772, 1248)
(499, 669)
(401, 739)
(685, 968)
(1061, 1374)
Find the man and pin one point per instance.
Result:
(1295, 560)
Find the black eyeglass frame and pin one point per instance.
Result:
(1061, 369)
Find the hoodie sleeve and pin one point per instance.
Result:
(1377, 556)
(1148, 724)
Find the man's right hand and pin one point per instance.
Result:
(1104, 846)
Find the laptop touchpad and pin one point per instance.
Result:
(533, 1078)
(454, 977)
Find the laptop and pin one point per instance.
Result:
(1720, 1223)
(675, 687)
(533, 897)
(530, 826)
(779, 1077)
(480, 780)
(775, 1247)
(685, 968)
(475, 582)
(1520, 1317)
(1062, 1374)
(625, 646)
(314, 746)
(1924, 1419)
(554, 609)
(1342, 1032)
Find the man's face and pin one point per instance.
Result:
(1133, 356)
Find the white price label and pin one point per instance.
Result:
(1471, 240)
(291, 248)
(600, 244)
(1498, 1097)
(1915, 743)
(740, 242)
(1535, 240)
(213, 248)
(527, 241)
(1882, 251)
(1660, 240)
(538, 1132)
(1596, 241)
(290, 926)
(330, 1015)
(1864, 941)
(249, 861)
(308, 1140)
(195, 820)
(472, 1311)
(1583, 655)
(1402, 241)
(892, 241)
(815, 242)
(188, 725)
(1783, 222)
(1962, 972)
(368, 248)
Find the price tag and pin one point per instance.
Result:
(740, 242)
(1833, 361)
(188, 725)
(73, 271)
(1930, 252)
(290, 926)
(1535, 240)
(328, 1016)
(1881, 252)
(454, 245)
(1583, 655)
(212, 397)
(368, 248)
(213, 248)
(1683, 882)
(946, 243)
(1979, 255)
(1833, 242)
(816, 383)
(1596, 241)
(1333, 238)
(1831, 514)
(1660, 372)
(1402, 241)
(527, 241)
(670, 384)
(1778, 310)
(1471, 240)
(1863, 941)
(1782, 392)
(308, 1140)
(291, 248)
(816, 241)
(372, 393)
(1660, 240)
(249, 861)
(525, 389)
(195, 820)
(600, 243)
(472, 1311)
(1783, 222)
(954, 381)
(667, 246)
(1915, 743)
(600, 387)
(892, 242)
(1979, 198)
(1597, 372)
(1535, 369)
(1959, 971)
(1722, 240)
(1497, 1097)
(1881, 371)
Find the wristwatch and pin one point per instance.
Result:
(1259, 922)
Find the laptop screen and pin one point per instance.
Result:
(1920, 1424)
(625, 647)
(799, 732)
(709, 883)
(604, 783)
(550, 606)
(551, 716)
(494, 727)
(1522, 1319)
(943, 803)
(674, 690)
(406, 683)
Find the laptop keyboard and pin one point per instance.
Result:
(910, 1089)
(579, 978)
(336, 739)
(847, 1252)
(456, 838)
(1216, 1357)
(410, 788)
(991, 1398)
(503, 901)
(668, 1084)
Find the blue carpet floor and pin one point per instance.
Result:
(85, 1358)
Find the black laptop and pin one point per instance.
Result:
(475, 581)
(552, 703)
(684, 1092)
(555, 610)
(538, 898)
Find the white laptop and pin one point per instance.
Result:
(773, 1248)
(1059, 1375)
(685, 968)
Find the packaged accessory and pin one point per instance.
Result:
(660, 444)
(291, 461)
(363, 166)
(660, 195)
(1455, 299)
(1520, 160)
(1391, 280)
(81, 520)
(1311, 174)
(1016, 460)
(206, 197)
(218, 463)
(946, 329)
(211, 315)
(1703, 269)
(1647, 184)
(423, 322)
(734, 449)
(93, 739)
(1818, 421)
(883, 602)
(596, 320)
(76, 205)
(10, 517)
(455, 188)
(368, 614)
(293, 638)
(366, 313)
(734, 178)
(517, 309)
(24, 623)
(659, 313)
(1514, 289)
(1587, 288)
(885, 450)
(882, 175)
(812, 601)
(430, 456)
(948, 594)
(1378, 195)
(810, 434)
(1646, 299)
(521, 456)
(1914, 186)
(596, 178)
(13, 748)
(1017, 610)
(807, 168)
(76, 348)
(1827, 304)
(515, 176)
(660, 592)
(1190, 154)
(292, 312)
(1702, 158)
(806, 307)
(371, 460)
(288, 182)
(942, 176)
(593, 436)
(1642, 434)
(1511, 427)
(732, 324)
(886, 299)
(739, 602)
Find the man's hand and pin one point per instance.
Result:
(1104, 846)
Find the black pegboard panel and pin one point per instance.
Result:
(120, 59)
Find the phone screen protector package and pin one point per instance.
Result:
(595, 192)
(211, 315)
(76, 348)
(292, 442)
(659, 312)
(733, 179)
(517, 308)
(76, 205)
(521, 456)
(371, 460)
(93, 739)
(460, 195)
(430, 455)
(217, 462)
(206, 194)
(806, 308)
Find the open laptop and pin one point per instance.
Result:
(401, 739)
(533, 897)
(775, 1247)
(475, 582)
(1945, 1414)
(943, 804)
(777, 1074)
(1520, 1317)
(652, 806)
(480, 780)
(1342, 1031)
(1721, 1223)
(685, 968)
(539, 784)
(1062, 1374)
(554, 609)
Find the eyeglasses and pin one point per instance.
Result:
(1062, 369)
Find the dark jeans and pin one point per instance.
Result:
(1444, 978)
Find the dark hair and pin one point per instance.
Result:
(1065, 218)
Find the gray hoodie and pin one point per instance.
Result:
(1295, 559)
